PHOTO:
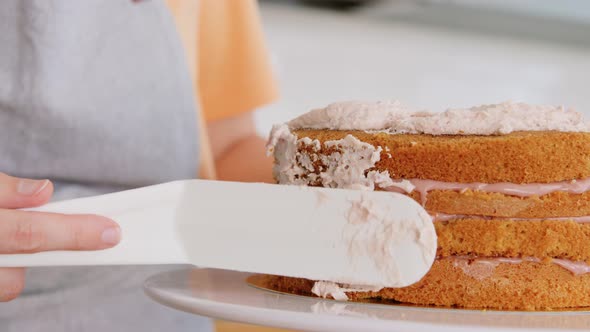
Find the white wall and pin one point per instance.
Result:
(323, 57)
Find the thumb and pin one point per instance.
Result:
(21, 193)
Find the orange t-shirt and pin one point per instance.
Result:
(226, 55)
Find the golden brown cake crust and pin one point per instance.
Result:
(524, 286)
(520, 157)
(505, 238)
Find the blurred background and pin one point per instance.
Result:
(426, 53)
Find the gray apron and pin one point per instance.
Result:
(96, 96)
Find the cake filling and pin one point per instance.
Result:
(475, 265)
(512, 189)
(446, 217)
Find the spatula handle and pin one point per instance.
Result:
(148, 232)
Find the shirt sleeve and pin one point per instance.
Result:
(233, 67)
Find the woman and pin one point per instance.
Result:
(98, 96)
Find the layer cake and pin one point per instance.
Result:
(507, 185)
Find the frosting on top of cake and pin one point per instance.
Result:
(395, 118)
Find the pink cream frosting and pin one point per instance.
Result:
(575, 267)
(445, 217)
(395, 118)
(521, 190)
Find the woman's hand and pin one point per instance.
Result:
(29, 232)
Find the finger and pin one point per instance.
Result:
(12, 282)
(29, 232)
(20, 193)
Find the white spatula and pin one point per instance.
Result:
(349, 236)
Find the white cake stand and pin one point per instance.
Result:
(227, 295)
